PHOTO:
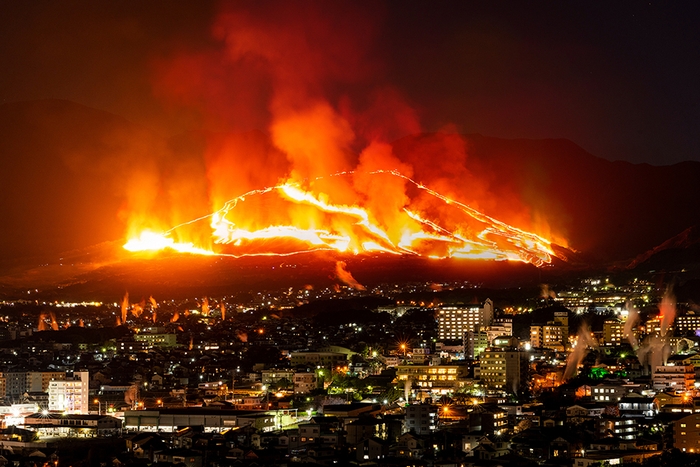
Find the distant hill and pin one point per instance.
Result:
(678, 252)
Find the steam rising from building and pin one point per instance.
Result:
(655, 348)
(343, 275)
(632, 320)
(584, 340)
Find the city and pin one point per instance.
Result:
(345, 376)
(301, 233)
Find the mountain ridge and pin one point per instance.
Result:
(71, 172)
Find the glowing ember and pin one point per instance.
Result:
(288, 219)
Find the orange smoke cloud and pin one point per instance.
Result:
(343, 275)
(306, 73)
(316, 141)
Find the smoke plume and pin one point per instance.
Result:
(343, 275)
(584, 340)
(667, 311)
(632, 319)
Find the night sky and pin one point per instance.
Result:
(618, 78)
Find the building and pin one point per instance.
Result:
(156, 339)
(420, 355)
(73, 425)
(210, 420)
(304, 382)
(635, 405)
(327, 360)
(475, 343)
(421, 418)
(501, 327)
(613, 332)
(679, 378)
(612, 392)
(686, 433)
(272, 377)
(688, 324)
(70, 395)
(553, 335)
(504, 369)
(17, 383)
(623, 428)
(454, 321)
(438, 378)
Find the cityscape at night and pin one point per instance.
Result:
(302, 233)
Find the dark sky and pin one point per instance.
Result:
(621, 79)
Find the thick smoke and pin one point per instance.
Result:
(584, 340)
(344, 276)
(667, 311)
(546, 292)
(655, 349)
(632, 320)
(308, 75)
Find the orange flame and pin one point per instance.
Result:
(124, 307)
(301, 69)
(430, 224)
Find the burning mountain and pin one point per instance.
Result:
(99, 173)
(288, 219)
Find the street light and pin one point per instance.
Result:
(99, 406)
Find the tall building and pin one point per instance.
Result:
(475, 343)
(304, 382)
(686, 433)
(504, 369)
(687, 324)
(613, 332)
(421, 418)
(499, 328)
(434, 378)
(21, 382)
(70, 395)
(678, 378)
(454, 321)
(554, 335)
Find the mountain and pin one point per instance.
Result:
(681, 251)
(73, 177)
(605, 210)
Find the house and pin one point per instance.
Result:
(145, 445)
(410, 445)
(186, 457)
(370, 449)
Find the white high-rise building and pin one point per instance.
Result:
(71, 395)
(454, 321)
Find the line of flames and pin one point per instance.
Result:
(529, 246)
